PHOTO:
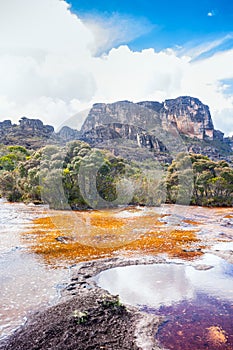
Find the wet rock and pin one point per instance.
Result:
(63, 239)
(109, 325)
(203, 267)
(191, 250)
(227, 222)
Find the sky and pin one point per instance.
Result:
(59, 57)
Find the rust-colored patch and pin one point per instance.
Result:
(198, 324)
(216, 335)
(190, 222)
(228, 216)
(174, 242)
(106, 222)
(70, 237)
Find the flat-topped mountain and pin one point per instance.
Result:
(145, 124)
(124, 127)
(188, 114)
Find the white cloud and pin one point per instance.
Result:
(211, 13)
(45, 25)
(124, 74)
(111, 31)
(48, 68)
(197, 50)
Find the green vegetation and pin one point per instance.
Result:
(80, 317)
(73, 176)
(212, 182)
(78, 176)
(113, 303)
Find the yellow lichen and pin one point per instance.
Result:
(216, 335)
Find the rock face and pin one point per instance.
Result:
(124, 127)
(188, 114)
(35, 126)
(123, 121)
(144, 122)
(123, 112)
(31, 133)
(68, 134)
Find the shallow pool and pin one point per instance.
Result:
(196, 300)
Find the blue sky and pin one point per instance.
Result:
(58, 57)
(168, 23)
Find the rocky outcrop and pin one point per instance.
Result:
(123, 112)
(35, 126)
(31, 133)
(68, 134)
(144, 123)
(100, 134)
(229, 141)
(218, 135)
(6, 124)
(124, 126)
(188, 114)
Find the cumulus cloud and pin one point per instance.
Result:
(50, 69)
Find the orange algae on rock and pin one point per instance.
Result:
(216, 335)
(175, 243)
(72, 237)
(191, 222)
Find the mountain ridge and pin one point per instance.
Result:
(123, 126)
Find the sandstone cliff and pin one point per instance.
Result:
(31, 133)
(149, 124)
(188, 114)
(133, 130)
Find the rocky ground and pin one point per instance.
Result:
(88, 317)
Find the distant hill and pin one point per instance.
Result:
(30, 133)
(138, 131)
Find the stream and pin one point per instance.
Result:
(27, 284)
(38, 248)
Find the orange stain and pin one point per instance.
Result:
(71, 237)
(190, 222)
(229, 216)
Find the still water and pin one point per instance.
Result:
(38, 248)
(26, 282)
(165, 284)
(196, 300)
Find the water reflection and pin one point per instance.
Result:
(26, 283)
(197, 301)
(204, 323)
(34, 255)
(25, 286)
(165, 284)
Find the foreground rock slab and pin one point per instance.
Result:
(88, 317)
